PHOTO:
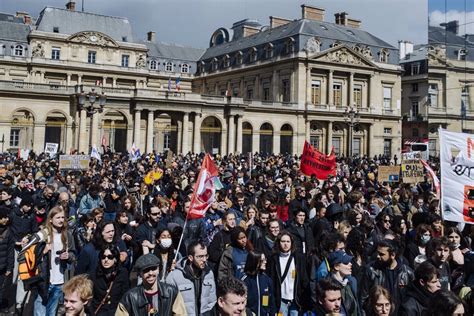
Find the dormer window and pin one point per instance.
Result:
(19, 50)
(215, 64)
(201, 67)
(269, 51)
(239, 58)
(55, 29)
(169, 66)
(289, 46)
(253, 54)
(462, 54)
(226, 61)
(335, 44)
(383, 56)
(185, 68)
(153, 65)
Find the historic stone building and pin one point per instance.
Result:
(81, 79)
(438, 85)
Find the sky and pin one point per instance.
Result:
(441, 11)
(192, 22)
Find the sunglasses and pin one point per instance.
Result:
(110, 257)
(149, 269)
(154, 214)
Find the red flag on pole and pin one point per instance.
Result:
(204, 190)
(313, 162)
(433, 176)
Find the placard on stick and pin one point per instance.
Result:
(389, 173)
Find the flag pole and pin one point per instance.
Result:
(181, 239)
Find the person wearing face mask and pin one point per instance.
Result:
(195, 280)
(165, 251)
(110, 282)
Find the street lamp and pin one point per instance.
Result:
(91, 98)
(351, 117)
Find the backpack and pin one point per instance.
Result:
(28, 264)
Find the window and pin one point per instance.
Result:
(2, 49)
(239, 58)
(337, 94)
(153, 65)
(387, 98)
(462, 54)
(56, 53)
(414, 109)
(387, 130)
(289, 46)
(226, 61)
(18, 50)
(415, 69)
(414, 87)
(433, 95)
(14, 137)
(250, 93)
(266, 92)
(269, 51)
(253, 54)
(185, 68)
(464, 99)
(316, 92)
(336, 143)
(166, 140)
(91, 57)
(215, 64)
(125, 60)
(387, 147)
(55, 29)
(124, 39)
(383, 56)
(358, 95)
(356, 146)
(286, 90)
(432, 147)
(169, 67)
(314, 141)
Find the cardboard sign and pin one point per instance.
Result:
(74, 162)
(51, 149)
(412, 171)
(389, 173)
(412, 155)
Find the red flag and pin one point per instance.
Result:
(433, 176)
(204, 190)
(317, 163)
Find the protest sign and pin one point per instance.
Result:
(74, 162)
(51, 149)
(412, 155)
(316, 163)
(412, 171)
(388, 173)
(24, 154)
(457, 176)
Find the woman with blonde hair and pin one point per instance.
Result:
(58, 255)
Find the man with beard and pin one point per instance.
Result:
(329, 298)
(195, 280)
(147, 231)
(387, 271)
(152, 297)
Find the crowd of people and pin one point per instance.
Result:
(115, 239)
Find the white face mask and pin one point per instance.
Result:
(165, 243)
(425, 239)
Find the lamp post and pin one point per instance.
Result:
(351, 117)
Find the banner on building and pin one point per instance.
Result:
(51, 149)
(389, 173)
(457, 176)
(412, 171)
(74, 162)
(313, 162)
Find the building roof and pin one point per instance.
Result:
(324, 30)
(71, 22)
(452, 41)
(15, 32)
(10, 18)
(173, 51)
(420, 52)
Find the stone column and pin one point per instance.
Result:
(256, 90)
(185, 143)
(149, 131)
(197, 133)
(308, 93)
(38, 136)
(370, 149)
(330, 83)
(94, 130)
(255, 140)
(83, 139)
(136, 129)
(329, 141)
(114, 82)
(239, 134)
(179, 124)
(275, 86)
(351, 89)
(371, 98)
(307, 130)
(276, 141)
(68, 79)
(231, 129)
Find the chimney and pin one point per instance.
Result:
(276, 21)
(405, 48)
(354, 23)
(312, 13)
(451, 26)
(151, 36)
(249, 30)
(71, 6)
(341, 18)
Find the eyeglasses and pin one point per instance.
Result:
(149, 269)
(386, 221)
(110, 257)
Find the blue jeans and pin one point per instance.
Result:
(289, 309)
(109, 216)
(54, 295)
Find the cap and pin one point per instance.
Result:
(147, 261)
(279, 180)
(333, 209)
(339, 256)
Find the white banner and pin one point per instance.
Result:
(457, 176)
(51, 149)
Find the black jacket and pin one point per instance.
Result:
(7, 246)
(301, 293)
(302, 234)
(22, 224)
(416, 301)
(219, 243)
(120, 286)
(255, 235)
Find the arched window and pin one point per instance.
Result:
(185, 68)
(253, 54)
(215, 64)
(383, 56)
(289, 46)
(153, 65)
(239, 58)
(226, 61)
(269, 51)
(19, 50)
(169, 66)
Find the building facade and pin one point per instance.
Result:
(80, 79)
